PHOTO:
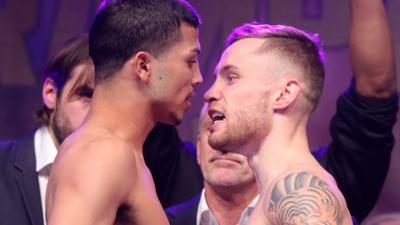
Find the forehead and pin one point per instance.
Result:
(245, 54)
(189, 42)
(82, 74)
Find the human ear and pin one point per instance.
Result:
(286, 95)
(143, 64)
(49, 93)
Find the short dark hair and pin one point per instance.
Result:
(301, 48)
(74, 52)
(122, 28)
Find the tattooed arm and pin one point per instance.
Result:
(304, 198)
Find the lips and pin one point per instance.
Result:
(188, 98)
(225, 158)
(216, 115)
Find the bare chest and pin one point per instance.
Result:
(142, 207)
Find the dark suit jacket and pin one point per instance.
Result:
(173, 165)
(184, 213)
(358, 156)
(19, 187)
(176, 174)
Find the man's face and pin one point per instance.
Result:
(239, 100)
(176, 75)
(73, 101)
(222, 169)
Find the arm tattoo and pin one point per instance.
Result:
(302, 198)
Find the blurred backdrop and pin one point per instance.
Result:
(32, 30)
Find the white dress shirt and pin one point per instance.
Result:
(45, 152)
(205, 216)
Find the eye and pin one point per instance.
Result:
(85, 91)
(192, 62)
(231, 77)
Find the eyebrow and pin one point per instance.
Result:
(81, 89)
(225, 68)
(83, 83)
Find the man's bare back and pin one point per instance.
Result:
(127, 196)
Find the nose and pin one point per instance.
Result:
(197, 78)
(212, 94)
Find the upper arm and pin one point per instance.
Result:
(303, 198)
(372, 49)
(90, 186)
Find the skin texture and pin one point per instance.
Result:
(99, 176)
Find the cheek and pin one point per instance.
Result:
(207, 168)
(183, 85)
(204, 165)
(247, 111)
(183, 77)
(174, 88)
(248, 174)
(77, 113)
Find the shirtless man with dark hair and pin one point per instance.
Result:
(143, 76)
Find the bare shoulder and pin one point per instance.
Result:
(97, 149)
(91, 178)
(90, 161)
(107, 148)
(306, 197)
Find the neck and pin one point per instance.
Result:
(228, 203)
(280, 152)
(122, 112)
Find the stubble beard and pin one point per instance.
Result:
(61, 132)
(243, 129)
(235, 135)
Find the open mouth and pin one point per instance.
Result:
(216, 116)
